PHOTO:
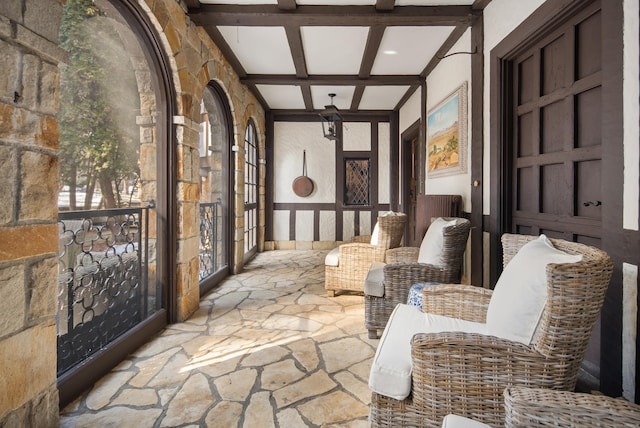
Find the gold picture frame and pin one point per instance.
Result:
(447, 135)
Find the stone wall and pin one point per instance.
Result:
(196, 62)
(29, 58)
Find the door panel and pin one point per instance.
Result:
(557, 129)
(557, 120)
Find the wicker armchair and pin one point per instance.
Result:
(403, 270)
(528, 407)
(355, 258)
(466, 373)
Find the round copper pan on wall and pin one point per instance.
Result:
(303, 186)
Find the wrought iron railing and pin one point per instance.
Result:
(210, 234)
(103, 287)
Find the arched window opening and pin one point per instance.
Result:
(215, 202)
(250, 191)
(114, 105)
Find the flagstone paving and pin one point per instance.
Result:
(267, 348)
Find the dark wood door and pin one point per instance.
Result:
(557, 145)
(556, 154)
(410, 189)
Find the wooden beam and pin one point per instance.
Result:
(287, 4)
(357, 97)
(446, 46)
(330, 79)
(480, 4)
(412, 89)
(385, 5)
(271, 15)
(227, 52)
(297, 51)
(192, 4)
(306, 96)
(371, 50)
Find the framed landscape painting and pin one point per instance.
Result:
(447, 135)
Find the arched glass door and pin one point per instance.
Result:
(250, 191)
(115, 103)
(215, 183)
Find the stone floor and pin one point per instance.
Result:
(267, 348)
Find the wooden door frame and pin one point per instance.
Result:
(617, 242)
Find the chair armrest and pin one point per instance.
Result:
(466, 374)
(528, 406)
(364, 239)
(399, 277)
(402, 255)
(457, 301)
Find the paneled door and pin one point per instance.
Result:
(556, 151)
(557, 145)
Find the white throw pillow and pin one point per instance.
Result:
(519, 297)
(431, 246)
(376, 231)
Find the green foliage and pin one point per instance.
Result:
(99, 102)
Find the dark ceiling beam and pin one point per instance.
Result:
(446, 46)
(297, 51)
(480, 4)
(227, 52)
(306, 96)
(385, 5)
(312, 116)
(254, 90)
(406, 97)
(371, 50)
(330, 79)
(287, 4)
(357, 97)
(271, 15)
(192, 4)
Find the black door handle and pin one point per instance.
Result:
(592, 203)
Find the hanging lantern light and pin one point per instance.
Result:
(330, 118)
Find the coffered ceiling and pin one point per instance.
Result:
(373, 54)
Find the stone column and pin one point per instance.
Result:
(29, 100)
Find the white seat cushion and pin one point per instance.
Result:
(520, 294)
(391, 367)
(374, 282)
(431, 246)
(455, 421)
(333, 258)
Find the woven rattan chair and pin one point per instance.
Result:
(356, 256)
(403, 270)
(466, 373)
(529, 407)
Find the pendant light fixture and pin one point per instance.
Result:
(330, 118)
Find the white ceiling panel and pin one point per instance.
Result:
(408, 50)
(334, 50)
(260, 50)
(282, 96)
(342, 100)
(382, 97)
